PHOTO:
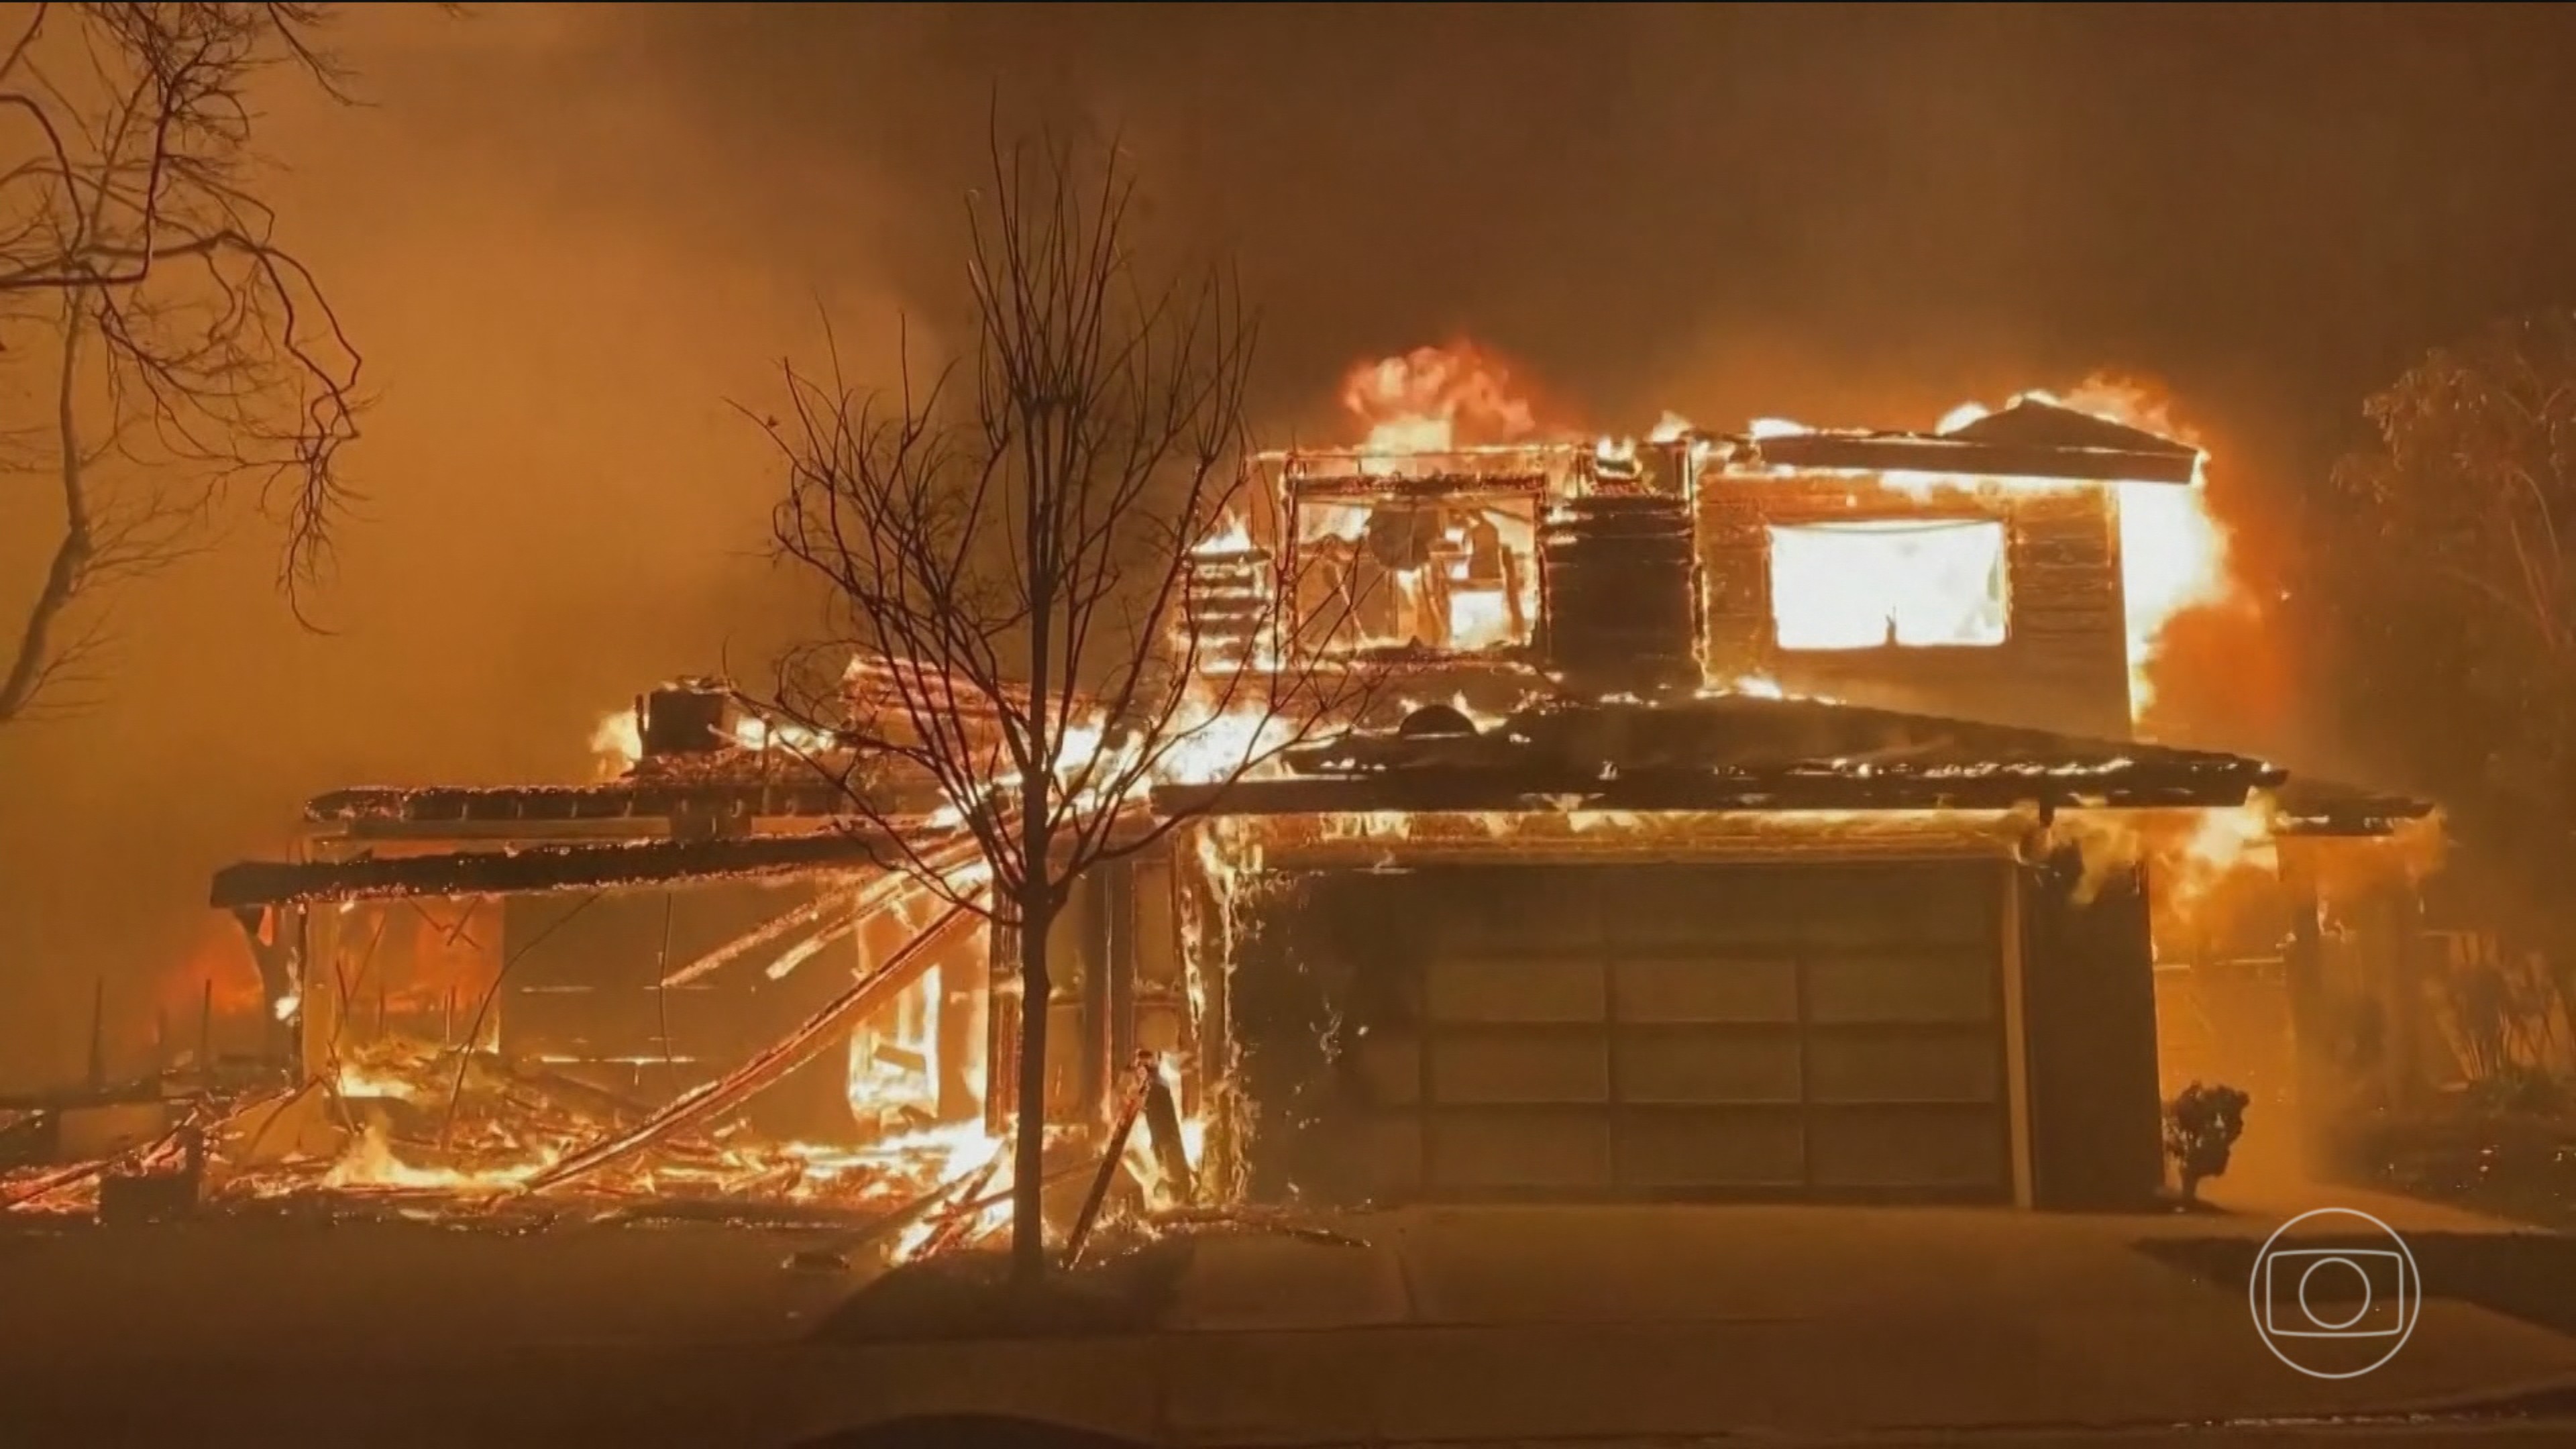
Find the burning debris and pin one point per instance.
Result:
(495, 1122)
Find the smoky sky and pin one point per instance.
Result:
(2284, 202)
(571, 238)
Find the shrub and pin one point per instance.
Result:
(2201, 1128)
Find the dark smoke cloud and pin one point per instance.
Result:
(568, 236)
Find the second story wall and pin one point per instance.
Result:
(1996, 602)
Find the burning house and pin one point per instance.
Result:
(1816, 859)
(1777, 829)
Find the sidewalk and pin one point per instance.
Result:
(1584, 1322)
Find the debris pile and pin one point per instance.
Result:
(402, 1129)
(405, 1129)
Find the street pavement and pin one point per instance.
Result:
(1451, 1325)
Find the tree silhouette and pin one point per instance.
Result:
(171, 347)
(2454, 584)
(1007, 548)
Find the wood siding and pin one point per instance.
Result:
(2063, 664)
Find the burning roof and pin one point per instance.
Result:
(2312, 807)
(544, 868)
(633, 797)
(1733, 752)
(2033, 438)
(2029, 439)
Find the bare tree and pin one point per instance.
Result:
(1007, 550)
(168, 348)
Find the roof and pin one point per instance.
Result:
(633, 796)
(2030, 439)
(1728, 753)
(2031, 423)
(545, 868)
(1731, 752)
(2306, 806)
(735, 782)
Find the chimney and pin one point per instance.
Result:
(687, 717)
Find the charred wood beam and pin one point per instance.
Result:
(954, 1224)
(1747, 733)
(1163, 1132)
(822, 919)
(251, 884)
(813, 913)
(1112, 1152)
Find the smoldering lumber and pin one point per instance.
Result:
(955, 1192)
(767, 932)
(961, 1214)
(204, 1120)
(1110, 1154)
(1163, 1133)
(1059, 1172)
(792, 1051)
(823, 916)
(906, 1215)
(50, 1183)
(1283, 1222)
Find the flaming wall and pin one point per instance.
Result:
(637, 978)
(2062, 660)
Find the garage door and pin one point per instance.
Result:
(1665, 1031)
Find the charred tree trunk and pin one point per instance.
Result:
(1028, 1162)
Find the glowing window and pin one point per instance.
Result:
(1892, 581)
(1456, 575)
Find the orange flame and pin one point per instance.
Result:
(2174, 554)
(1434, 398)
(218, 973)
(2173, 550)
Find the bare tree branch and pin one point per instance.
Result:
(193, 353)
(1007, 544)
